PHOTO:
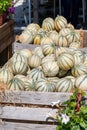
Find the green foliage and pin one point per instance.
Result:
(4, 5)
(77, 114)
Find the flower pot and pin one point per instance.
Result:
(1, 19)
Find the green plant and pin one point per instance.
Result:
(4, 5)
(72, 114)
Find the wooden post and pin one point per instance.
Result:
(35, 10)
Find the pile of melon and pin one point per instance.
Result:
(47, 68)
(57, 31)
(58, 64)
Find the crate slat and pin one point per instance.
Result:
(39, 98)
(25, 126)
(25, 113)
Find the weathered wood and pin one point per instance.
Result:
(30, 97)
(25, 126)
(6, 36)
(25, 113)
(19, 46)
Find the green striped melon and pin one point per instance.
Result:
(81, 82)
(72, 78)
(35, 74)
(50, 69)
(53, 35)
(29, 85)
(48, 49)
(25, 52)
(33, 27)
(73, 37)
(64, 85)
(60, 22)
(59, 50)
(69, 25)
(79, 69)
(38, 51)
(34, 61)
(20, 68)
(16, 84)
(5, 75)
(75, 44)
(64, 31)
(44, 85)
(65, 61)
(42, 32)
(62, 41)
(18, 57)
(46, 40)
(48, 58)
(48, 24)
(78, 56)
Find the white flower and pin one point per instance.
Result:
(55, 103)
(50, 116)
(65, 118)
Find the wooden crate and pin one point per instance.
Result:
(19, 46)
(7, 36)
(28, 110)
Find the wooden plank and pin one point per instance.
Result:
(25, 113)
(25, 126)
(19, 46)
(6, 25)
(6, 43)
(41, 98)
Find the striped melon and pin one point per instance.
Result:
(33, 27)
(73, 37)
(79, 69)
(60, 50)
(16, 84)
(50, 68)
(64, 85)
(48, 58)
(25, 52)
(34, 61)
(20, 68)
(29, 84)
(75, 44)
(42, 32)
(69, 25)
(65, 31)
(18, 57)
(44, 85)
(53, 35)
(65, 61)
(72, 79)
(46, 40)
(5, 75)
(62, 41)
(37, 39)
(60, 22)
(81, 82)
(35, 74)
(38, 51)
(78, 56)
(48, 49)
(48, 24)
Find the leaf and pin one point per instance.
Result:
(83, 124)
(77, 127)
(83, 109)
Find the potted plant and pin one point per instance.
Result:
(72, 114)
(4, 6)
